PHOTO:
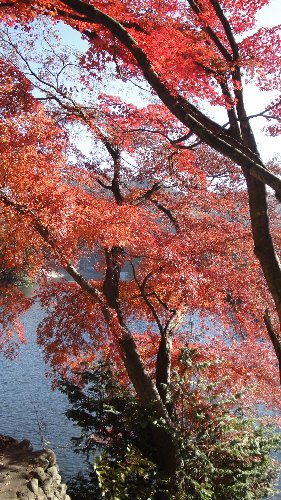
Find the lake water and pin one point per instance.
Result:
(30, 409)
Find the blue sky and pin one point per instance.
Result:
(270, 15)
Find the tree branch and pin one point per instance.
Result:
(227, 56)
(207, 130)
(274, 337)
(167, 212)
(227, 28)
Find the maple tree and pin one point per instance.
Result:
(176, 197)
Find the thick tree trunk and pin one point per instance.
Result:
(263, 244)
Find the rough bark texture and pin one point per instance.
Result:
(263, 244)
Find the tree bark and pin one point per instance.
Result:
(263, 244)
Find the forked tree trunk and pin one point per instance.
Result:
(165, 449)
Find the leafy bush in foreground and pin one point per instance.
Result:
(224, 454)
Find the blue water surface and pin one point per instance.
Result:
(30, 408)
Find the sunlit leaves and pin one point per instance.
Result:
(260, 54)
(175, 210)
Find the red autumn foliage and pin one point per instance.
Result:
(163, 197)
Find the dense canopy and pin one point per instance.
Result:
(109, 151)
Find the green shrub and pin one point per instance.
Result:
(224, 454)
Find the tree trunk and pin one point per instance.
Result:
(164, 446)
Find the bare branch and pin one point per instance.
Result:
(274, 337)
(150, 192)
(167, 212)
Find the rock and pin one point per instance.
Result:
(20, 494)
(63, 489)
(6, 441)
(23, 446)
(39, 474)
(51, 457)
(41, 495)
(40, 459)
(53, 471)
(47, 486)
(33, 485)
(29, 475)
